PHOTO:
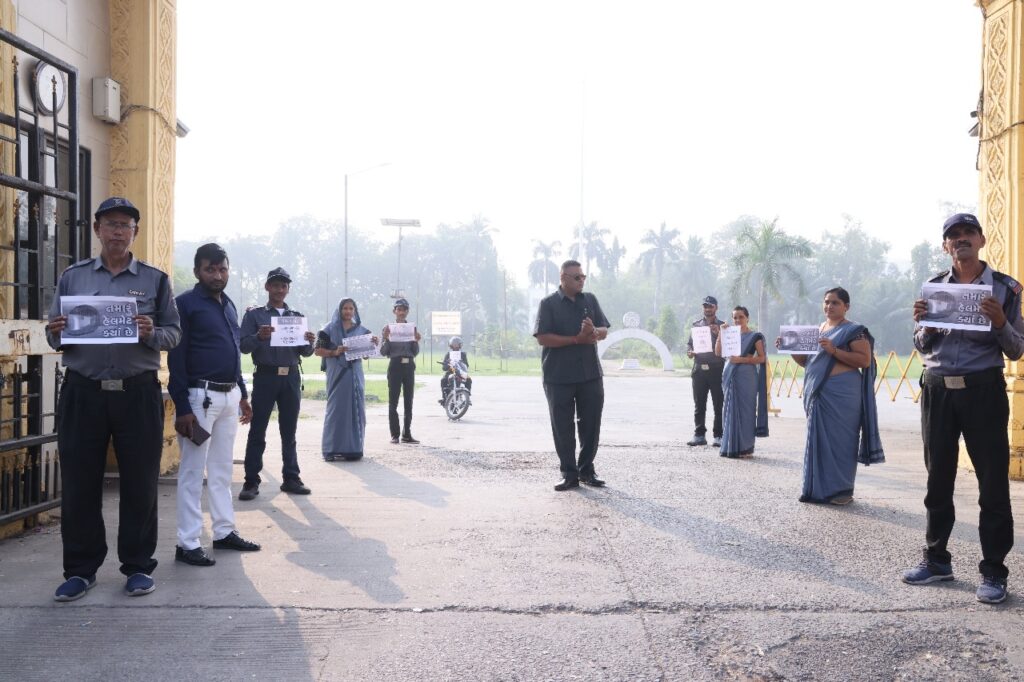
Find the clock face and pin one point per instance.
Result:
(43, 90)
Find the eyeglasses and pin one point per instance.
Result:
(118, 225)
(578, 278)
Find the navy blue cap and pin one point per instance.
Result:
(401, 303)
(710, 300)
(965, 219)
(118, 204)
(279, 273)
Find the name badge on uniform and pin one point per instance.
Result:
(284, 371)
(705, 367)
(405, 361)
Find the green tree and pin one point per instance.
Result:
(668, 328)
(543, 268)
(764, 261)
(594, 246)
(609, 262)
(663, 249)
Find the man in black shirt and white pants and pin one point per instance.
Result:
(569, 325)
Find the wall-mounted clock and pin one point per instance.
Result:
(42, 88)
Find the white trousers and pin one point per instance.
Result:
(214, 458)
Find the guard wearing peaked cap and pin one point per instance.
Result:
(111, 392)
(276, 381)
(706, 377)
(963, 393)
(401, 374)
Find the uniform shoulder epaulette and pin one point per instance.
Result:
(292, 312)
(1007, 281)
(697, 321)
(939, 277)
(252, 307)
(79, 264)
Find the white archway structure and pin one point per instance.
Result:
(641, 335)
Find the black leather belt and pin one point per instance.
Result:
(985, 377)
(147, 378)
(275, 370)
(213, 385)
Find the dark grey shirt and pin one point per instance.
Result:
(262, 352)
(150, 287)
(709, 359)
(953, 352)
(559, 314)
(399, 349)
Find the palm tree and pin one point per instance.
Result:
(595, 248)
(609, 261)
(764, 254)
(543, 268)
(664, 249)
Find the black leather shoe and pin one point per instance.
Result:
(407, 438)
(294, 486)
(567, 484)
(697, 440)
(249, 491)
(234, 541)
(394, 439)
(193, 557)
(592, 481)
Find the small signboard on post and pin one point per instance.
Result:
(446, 323)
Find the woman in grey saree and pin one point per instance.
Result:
(745, 411)
(345, 420)
(839, 399)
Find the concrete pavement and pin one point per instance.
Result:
(454, 559)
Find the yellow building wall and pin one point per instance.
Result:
(1001, 140)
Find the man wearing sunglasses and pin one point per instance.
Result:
(569, 325)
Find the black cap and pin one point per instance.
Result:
(400, 303)
(965, 219)
(279, 273)
(118, 204)
(710, 300)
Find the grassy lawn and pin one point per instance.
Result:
(376, 390)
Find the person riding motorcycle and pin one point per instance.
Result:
(454, 347)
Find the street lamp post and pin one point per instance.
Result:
(399, 223)
(379, 165)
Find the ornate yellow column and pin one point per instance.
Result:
(143, 38)
(1001, 162)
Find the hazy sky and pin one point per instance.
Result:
(691, 113)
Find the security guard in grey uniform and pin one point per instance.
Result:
(275, 380)
(706, 378)
(963, 393)
(111, 391)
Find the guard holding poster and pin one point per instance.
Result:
(402, 345)
(706, 376)
(963, 392)
(111, 391)
(275, 381)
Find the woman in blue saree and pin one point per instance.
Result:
(745, 412)
(345, 420)
(839, 399)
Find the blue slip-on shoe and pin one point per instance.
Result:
(928, 572)
(991, 590)
(74, 588)
(139, 584)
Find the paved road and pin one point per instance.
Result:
(455, 560)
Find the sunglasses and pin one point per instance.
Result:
(578, 278)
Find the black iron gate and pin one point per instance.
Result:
(50, 232)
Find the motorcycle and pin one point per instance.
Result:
(457, 397)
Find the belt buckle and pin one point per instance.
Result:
(705, 367)
(405, 361)
(954, 383)
(283, 371)
(112, 384)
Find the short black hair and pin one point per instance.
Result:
(841, 293)
(570, 264)
(744, 309)
(214, 253)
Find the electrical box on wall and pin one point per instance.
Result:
(106, 99)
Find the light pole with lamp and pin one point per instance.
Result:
(379, 165)
(399, 223)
